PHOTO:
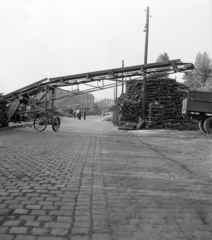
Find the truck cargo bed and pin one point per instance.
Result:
(198, 101)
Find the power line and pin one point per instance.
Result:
(135, 50)
(132, 38)
(149, 2)
(160, 3)
(62, 61)
(147, 25)
(61, 68)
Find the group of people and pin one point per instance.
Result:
(78, 113)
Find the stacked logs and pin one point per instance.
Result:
(169, 93)
(155, 118)
(129, 108)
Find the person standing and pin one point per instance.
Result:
(79, 114)
(84, 114)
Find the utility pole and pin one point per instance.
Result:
(147, 35)
(122, 85)
(145, 62)
(116, 92)
(114, 96)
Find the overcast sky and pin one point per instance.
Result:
(41, 38)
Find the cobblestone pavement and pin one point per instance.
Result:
(90, 181)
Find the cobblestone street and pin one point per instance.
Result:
(90, 181)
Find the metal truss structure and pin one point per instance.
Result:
(41, 94)
(117, 75)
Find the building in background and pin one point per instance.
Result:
(87, 99)
(68, 98)
(105, 104)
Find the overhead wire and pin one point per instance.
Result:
(159, 5)
(63, 55)
(133, 37)
(61, 68)
(138, 43)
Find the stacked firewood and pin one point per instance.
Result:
(129, 112)
(130, 105)
(133, 90)
(155, 118)
(169, 93)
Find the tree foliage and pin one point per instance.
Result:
(163, 57)
(201, 77)
(96, 109)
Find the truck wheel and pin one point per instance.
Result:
(208, 125)
(201, 126)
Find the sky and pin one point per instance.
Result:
(52, 38)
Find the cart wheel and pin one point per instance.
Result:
(40, 123)
(56, 124)
(201, 126)
(208, 125)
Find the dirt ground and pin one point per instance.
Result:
(192, 150)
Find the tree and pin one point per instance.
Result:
(163, 57)
(208, 85)
(201, 77)
(96, 109)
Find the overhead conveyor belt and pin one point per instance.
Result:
(38, 98)
(31, 89)
(137, 70)
(116, 76)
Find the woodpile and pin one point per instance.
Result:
(170, 95)
(155, 117)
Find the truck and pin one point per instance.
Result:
(198, 105)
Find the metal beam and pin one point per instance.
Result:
(35, 84)
(114, 71)
(146, 70)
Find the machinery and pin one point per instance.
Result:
(198, 105)
(37, 100)
(3, 116)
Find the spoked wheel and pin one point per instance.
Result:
(40, 123)
(201, 126)
(56, 124)
(208, 125)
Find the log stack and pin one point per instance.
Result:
(155, 117)
(169, 93)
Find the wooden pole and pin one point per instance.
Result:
(147, 36)
(45, 109)
(116, 91)
(145, 62)
(122, 86)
